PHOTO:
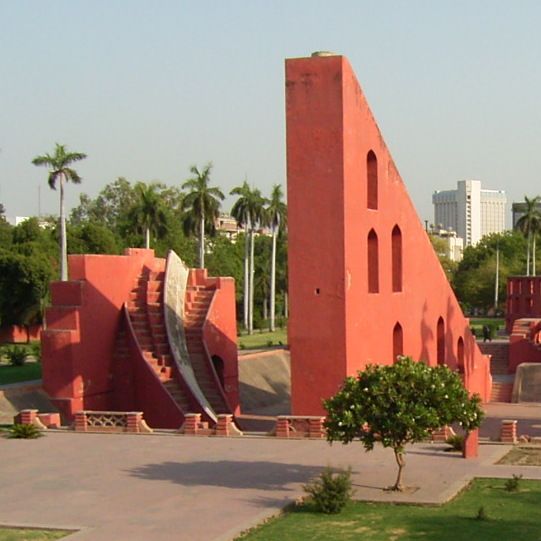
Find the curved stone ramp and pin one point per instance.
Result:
(19, 396)
(265, 382)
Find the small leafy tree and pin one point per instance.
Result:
(399, 404)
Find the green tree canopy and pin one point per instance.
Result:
(399, 404)
(24, 283)
(91, 238)
(474, 279)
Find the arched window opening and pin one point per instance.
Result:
(218, 364)
(440, 333)
(398, 342)
(460, 355)
(396, 249)
(373, 262)
(371, 181)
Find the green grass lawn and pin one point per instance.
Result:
(16, 374)
(511, 515)
(263, 340)
(478, 322)
(20, 534)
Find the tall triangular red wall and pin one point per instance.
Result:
(364, 281)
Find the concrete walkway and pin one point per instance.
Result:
(161, 487)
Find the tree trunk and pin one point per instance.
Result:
(528, 243)
(147, 238)
(63, 236)
(265, 308)
(399, 456)
(202, 242)
(246, 299)
(533, 255)
(273, 279)
(251, 296)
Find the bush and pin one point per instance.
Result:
(24, 431)
(270, 343)
(456, 442)
(331, 491)
(35, 350)
(16, 355)
(513, 484)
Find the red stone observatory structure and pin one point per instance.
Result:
(365, 284)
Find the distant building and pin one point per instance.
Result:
(518, 210)
(454, 245)
(16, 220)
(470, 210)
(227, 225)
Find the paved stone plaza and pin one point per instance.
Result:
(165, 487)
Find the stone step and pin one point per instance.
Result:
(154, 296)
(501, 392)
(158, 276)
(162, 349)
(155, 285)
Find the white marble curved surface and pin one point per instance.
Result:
(176, 278)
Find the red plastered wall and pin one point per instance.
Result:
(336, 326)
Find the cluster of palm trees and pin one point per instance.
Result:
(530, 224)
(201, 205)
(252, 212)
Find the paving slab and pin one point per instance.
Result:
(137, 488)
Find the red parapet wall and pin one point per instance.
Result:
(15, 334)
(365, 284)
(523, 299)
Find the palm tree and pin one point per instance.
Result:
(241, 212)
(202, 204)
(249, 212)
(276, 218)
(148, 215)
(60, 170)
(529, 223)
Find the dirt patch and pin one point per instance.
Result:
(523, 456)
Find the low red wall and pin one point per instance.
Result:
(15, 334)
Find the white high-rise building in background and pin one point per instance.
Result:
(469, 210)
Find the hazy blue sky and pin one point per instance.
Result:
(148, 88)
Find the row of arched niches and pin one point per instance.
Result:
(441, 354)
(373, 240)
(396, 270)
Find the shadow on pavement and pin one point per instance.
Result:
(230, 474)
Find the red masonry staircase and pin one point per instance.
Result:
(146, 315)
(118, 333)
(196, 306)
(502, 381)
